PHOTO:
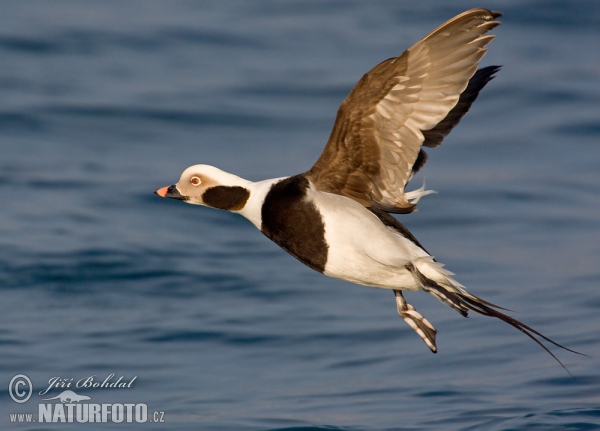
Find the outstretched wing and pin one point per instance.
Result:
(400, 105)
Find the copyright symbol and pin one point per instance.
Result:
(20, 388)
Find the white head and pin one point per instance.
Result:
(209, 186)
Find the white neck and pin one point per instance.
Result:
(253, 207)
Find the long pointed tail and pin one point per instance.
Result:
(476, 304)
(452, 294)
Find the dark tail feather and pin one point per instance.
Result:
(485, 308)
(452, 298)
(462, 301)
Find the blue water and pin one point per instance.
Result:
(101, 103)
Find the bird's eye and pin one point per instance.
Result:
(195, 181)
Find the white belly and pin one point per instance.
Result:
(361, 248)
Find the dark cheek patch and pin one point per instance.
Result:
(226, 198)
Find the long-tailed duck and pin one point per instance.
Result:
(335, 217)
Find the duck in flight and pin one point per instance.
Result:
(335, 218)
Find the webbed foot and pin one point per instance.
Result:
(415, 320)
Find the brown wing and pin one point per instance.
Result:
(377, 137)
(435, 136)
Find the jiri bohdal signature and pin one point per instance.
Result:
(92, 381)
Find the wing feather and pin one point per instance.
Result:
(375, 146)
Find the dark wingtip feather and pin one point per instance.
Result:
(435, 136)
(484, 75)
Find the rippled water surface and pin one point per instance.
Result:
(103, 102)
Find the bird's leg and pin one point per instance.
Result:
(416, 321)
